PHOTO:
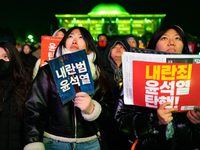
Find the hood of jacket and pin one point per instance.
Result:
(111, 66)
(54, 34)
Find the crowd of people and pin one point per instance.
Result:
(33, 117)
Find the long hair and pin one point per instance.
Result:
(90, 45)
(22, 75)
(162, 30)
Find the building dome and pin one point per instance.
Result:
(108, 9)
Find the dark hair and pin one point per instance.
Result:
(103, 34)
(90, 45)
(63, 31)
(135, 37)
(22, 75)
(162, 30)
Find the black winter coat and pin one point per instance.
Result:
(45, 111)
(11, 124)
(115, 140)
(142, 123)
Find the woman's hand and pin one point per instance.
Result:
(165, 115)
(194, 116)
(84, 102)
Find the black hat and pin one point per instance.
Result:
(8, 39)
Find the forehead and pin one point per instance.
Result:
(118, 44)
(102, 36)
(59, 32)
(26, 46)
(76, 31)
(2, 51)
(171, 32)
(131, 39)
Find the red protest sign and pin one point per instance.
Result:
(191, 47)
(156, 83)
(48, 47)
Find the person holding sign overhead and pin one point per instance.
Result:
(162, 128)
(77, 124)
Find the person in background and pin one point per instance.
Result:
(102, 45)
(197, 47)
(113, 70)
(27, 56)
(161, 129)
(58, 33)
(142, 42)
(76, 124)
(37, 52)
(15, 81)
(132, 40)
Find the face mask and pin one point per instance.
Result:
(5, 69)
(102, 43)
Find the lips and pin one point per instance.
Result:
(74, 47)
(171, 50)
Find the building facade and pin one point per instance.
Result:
(112, 19)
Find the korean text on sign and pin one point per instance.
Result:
(166, 83)
(70, 71)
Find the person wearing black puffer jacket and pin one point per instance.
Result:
(113, 70)
(52, 125)
(141, 126)
(162, 128)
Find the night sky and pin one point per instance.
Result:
(37, 17)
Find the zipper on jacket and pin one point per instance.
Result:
(75, 123)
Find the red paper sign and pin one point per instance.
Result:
(48, 47)
(191, 47)
(156, 83)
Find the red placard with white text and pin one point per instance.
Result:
(191, 47)
(156, 83)
(48, 47)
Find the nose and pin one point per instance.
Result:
(74, 41)
(171, 42)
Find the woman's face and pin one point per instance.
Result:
(75, 41)
(27, 49)
(170, 42)
(3, 54)
(132, 43)
(60, 34)
(117, 51)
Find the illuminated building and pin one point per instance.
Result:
(112, 19)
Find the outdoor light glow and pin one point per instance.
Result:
(30, 37)
(66, 21)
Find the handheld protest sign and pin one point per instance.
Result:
(71, 72)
